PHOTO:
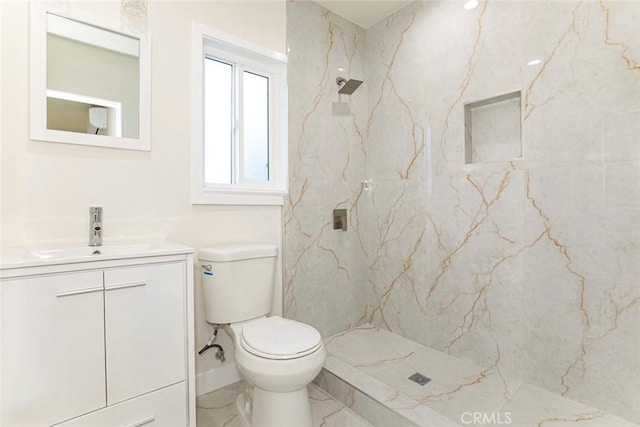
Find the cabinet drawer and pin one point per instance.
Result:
(163, 408)
(145, 329)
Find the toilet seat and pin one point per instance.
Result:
(279, 338)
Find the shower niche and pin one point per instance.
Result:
(493, 129)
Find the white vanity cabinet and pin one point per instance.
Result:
(104, 342)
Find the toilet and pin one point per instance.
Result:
(278, 357)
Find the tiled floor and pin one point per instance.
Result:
(217, 409)
(367, 369)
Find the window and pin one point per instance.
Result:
(238, 136)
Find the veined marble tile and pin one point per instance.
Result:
(361, 391)
(528, 265)
(217, 409)
(457, 386)
(325, 269)
(620, 136)
(622, 184)
(370, 349)
(327, 412)
(367, 407)
(459, 391)
(534, 407)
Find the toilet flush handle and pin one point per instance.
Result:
(206, 267)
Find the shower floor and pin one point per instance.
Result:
(367, 369)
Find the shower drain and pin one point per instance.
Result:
(419, 378)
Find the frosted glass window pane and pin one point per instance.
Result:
(256, 127)
(218, 125)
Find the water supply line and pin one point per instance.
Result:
(210, 344)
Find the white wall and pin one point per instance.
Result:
(47, 188)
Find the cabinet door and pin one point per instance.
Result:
(52, 348)
(145, 329)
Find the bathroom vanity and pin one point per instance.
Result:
(99, 339)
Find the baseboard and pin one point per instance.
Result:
(214, 379)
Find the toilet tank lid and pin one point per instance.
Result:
(237, 251)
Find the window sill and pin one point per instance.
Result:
(211, 196)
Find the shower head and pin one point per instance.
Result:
(347, 87)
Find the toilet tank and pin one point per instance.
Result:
(238, 281)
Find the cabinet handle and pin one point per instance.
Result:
(143, 422)
(126, 285)
(79, 292)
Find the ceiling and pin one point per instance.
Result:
(364, 13)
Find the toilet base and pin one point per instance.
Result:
(243, 410)
(271, 409)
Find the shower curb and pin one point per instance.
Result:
(376, 402)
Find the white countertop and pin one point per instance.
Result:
(20, 257)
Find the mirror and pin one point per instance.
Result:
(90, 84)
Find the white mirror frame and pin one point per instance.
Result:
(38, 84)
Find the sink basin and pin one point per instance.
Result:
(90, 251)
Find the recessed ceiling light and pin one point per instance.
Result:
(471, 4)
(534, 62)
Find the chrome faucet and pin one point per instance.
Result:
(95, 226)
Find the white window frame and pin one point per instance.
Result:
(207, 41)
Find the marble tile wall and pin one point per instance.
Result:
(325, 269)
(529, 265)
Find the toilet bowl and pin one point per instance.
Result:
(277, 357)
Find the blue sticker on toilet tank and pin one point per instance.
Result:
(208, 273)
